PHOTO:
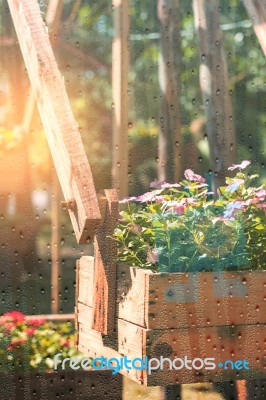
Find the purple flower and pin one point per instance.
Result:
(243, 165)
(234, 185)
(232, 207)
(127, 200)
(189, 174)
(157, 184)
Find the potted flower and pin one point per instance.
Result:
(192, 279)
(28, 347)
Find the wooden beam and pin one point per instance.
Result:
(170, 137)
(59, 124)
(105, 254)
(48, 317)
(120, 68)
(215, 88)
(257, 13)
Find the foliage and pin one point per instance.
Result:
(32, 344)
(181, 227)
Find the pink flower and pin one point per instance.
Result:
(37, 322)
(160, 199)
(152, 255)
(180, 206)
(30, 331)
(243, 165)
(127, 200)
(191, 176)
(261, 194)
(15, 316)
(149, 196)
(262, 206)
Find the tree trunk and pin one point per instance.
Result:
(215, 91)
(169, 167)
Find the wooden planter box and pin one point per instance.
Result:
(206, 315)
(68, 385)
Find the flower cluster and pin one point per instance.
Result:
(184, 226)
(27, 344)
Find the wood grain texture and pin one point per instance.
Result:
(161, 301)
(221, 343)
(59, 124)
(120, 87)
(84, 292)
(105, 253)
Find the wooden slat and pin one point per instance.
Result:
(60, 127)
(132, 294)
(257, 13)
(221, 343)
(84, 293)
(120, 70)
(105, 253)
(189, 300)
(51, 317)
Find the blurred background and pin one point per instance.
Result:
(168, 124)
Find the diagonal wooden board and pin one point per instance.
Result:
(60, 127)
(257, 13)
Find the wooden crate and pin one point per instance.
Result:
(206, 315)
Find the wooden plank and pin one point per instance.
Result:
(50, 317)
(132, 294)
(60, 127)
(84, 315)
(105, 253)
(120, 70)
(257, 13)
(84, 293)
(161, 301)
(221, 343)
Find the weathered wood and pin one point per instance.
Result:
(170, 137)
(180, 300)
(257, 13)
(55, 243)
(60, 127)
(84, 281)
(105, 253)
(120, 71)
(215, 88)
(242, 342)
